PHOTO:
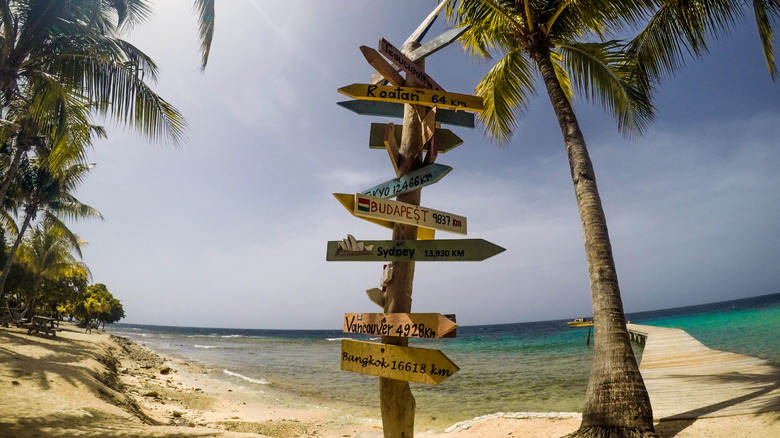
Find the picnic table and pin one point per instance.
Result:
(42, 324)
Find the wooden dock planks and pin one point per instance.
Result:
(686, 379)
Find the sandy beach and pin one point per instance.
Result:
(98, 385)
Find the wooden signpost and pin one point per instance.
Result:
(413, 96)
(414, 180)
(396, 110)
(405, 325)
(412, 150)
(442, 250)
(371, 207)
(410, 364)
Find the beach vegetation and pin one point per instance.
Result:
(563, 48)
(50, 254)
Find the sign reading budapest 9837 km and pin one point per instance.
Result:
(401, 212)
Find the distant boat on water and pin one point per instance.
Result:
(580, 322)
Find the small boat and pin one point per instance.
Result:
(580, 322)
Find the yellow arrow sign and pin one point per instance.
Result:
(414, 96)
(404, 325)
(410, 364)
(370, 207)
(348, 201)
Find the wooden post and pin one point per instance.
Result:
(395, 397)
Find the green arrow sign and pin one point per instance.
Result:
(447, 250)
(419, 365)
(396, 110)
(413, 180)
(445, 139)
(413, 96)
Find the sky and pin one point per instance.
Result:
(229, 229)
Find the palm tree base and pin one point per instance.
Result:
(611, 432)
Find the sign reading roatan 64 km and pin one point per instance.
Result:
(419, 365)
(442, 250)
(403, 213)
(414, 96)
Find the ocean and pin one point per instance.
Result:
(523, 367)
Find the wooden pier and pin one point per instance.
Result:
(686, 379)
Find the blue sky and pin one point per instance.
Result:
(230, 228)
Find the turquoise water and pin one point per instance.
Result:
(538, 366)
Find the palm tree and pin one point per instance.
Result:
(681, 28)
(60, 48)
(49, 191)
(48, 253)
(555, 40)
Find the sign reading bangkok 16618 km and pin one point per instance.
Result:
(403, 213)
(419, 365)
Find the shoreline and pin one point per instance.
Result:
(105, 385)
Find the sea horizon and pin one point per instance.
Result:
(628, 318)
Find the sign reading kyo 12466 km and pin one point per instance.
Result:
(419, 365)
(401, 212)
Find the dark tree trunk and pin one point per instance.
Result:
(616, 402)
(12, 253)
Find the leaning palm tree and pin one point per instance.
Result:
(50, 193)
(49, 253)
(60, 48)
(561, 45)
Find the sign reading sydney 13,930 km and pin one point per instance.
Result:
(442, 250)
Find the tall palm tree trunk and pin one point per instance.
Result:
(12, 170)
(616, 400)
(12, 253)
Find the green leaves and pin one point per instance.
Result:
(527, 31)
(607, 75)
(682, 28)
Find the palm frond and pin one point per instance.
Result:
(607, 75)
(764, 10)
(205, 10)
(506, 90)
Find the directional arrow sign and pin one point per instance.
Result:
(383, 68)
(414, 96)
(404, 325)
(428, 49)
(371, 207)
(410, 364)
(445, 139)
(412, 70)
(413, 180)
(348, 201)
(445, 250)
(396, 110)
